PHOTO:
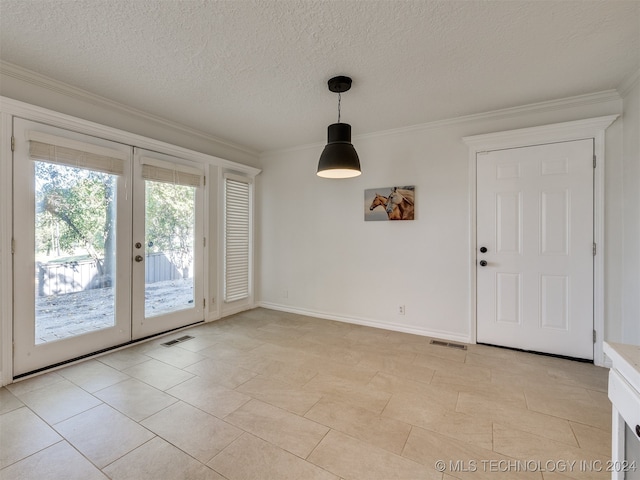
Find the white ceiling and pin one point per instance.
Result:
(255, 72)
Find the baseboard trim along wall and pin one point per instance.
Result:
(367, 322)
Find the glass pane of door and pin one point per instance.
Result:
(169, 237)
(75, 251)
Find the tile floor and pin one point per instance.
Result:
(272, 395)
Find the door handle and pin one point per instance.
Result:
(483, 263)
(138, 258)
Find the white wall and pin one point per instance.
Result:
(315, 245)
(630, 293)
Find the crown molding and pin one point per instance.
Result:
(35, 113)
(62, 88)
(628, 83)
(540, 107)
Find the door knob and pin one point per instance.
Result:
(138, 258)
(483, 263)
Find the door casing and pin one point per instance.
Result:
(593, 128)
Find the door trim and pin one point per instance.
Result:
(593, 128)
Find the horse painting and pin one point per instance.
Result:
(403, 200)
(380, 201)
(398, 205)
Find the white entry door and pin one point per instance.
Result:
(535, 248)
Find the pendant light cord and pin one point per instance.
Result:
(339, 101)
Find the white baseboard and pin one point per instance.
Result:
(368, 322)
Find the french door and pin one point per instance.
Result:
(82, 205)
(535, 248)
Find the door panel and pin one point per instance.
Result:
(71, 229)
(167, 244)
(535, 217)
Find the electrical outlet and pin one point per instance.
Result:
(400, 309)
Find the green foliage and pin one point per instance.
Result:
(73, 209)
(170, 220)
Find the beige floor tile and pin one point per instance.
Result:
(57, 462)
(354, 459)
(175, 356)
(525, 446)
(462, 375)
(250, 457)
(456, 458)
(193, 431)
(202, 339)
(23, 386)
(593, 439)
(570, 403)
(158, 374)
(515, 414)
(92, 375)
(123, 358)
(600, 399)
(426, 348)
(210, 397)
(22, 433)
(156, 460)
(432, 414)
(386, 433)
(342, 390)
(389, 383)
(399, 368)
(506, 378)
(596, 379)
(280, 394)
(59, 401)
(390, 402)
(515, 365)
(291, 432)
(350, 372)
(103, 434)
(8, 401)
(135, 399)
(227, 353)
(220, 372)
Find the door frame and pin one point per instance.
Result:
(591, 128)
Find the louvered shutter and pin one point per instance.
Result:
(237, 215)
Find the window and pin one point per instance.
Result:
(237, 232)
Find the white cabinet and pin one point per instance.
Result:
(624, 393)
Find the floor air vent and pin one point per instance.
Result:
(448, 344)
(170, 343)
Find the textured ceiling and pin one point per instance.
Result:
(255, 72)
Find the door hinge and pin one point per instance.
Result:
(204, 302)
(204, 241)
(204, 180)
(594, 160)
(595, 249)
(594, 336)
(13, 246)
(13, 143)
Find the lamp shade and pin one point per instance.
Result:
(339, 159)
